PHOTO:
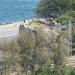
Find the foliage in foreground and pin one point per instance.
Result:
(49, 71)
(36, 50)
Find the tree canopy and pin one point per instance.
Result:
(54, 8)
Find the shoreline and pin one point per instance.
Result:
(10, 29)
(6, 23)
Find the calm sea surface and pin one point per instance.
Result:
(14, 10)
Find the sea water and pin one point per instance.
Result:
(15, 10)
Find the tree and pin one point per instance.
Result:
(54, 8)
(12, 57)
(61, 53)
(35, 49)
(27, 45)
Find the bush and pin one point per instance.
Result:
(44, 72)
(50, 71)
(72, 72)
